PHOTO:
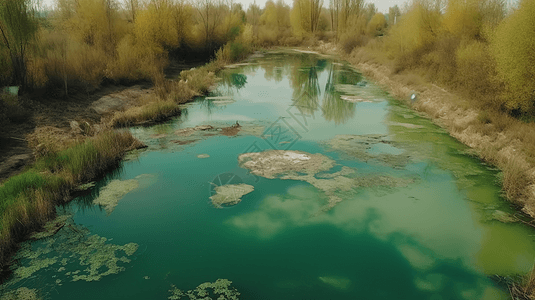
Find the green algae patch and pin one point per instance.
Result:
(71, 252)
(341, 283)
(312, 168)
(230, 194)
(271, 163)
(361, 146)
(113, 192)
(22, 293)
(51, 227)
(85, 186)
(221, 289)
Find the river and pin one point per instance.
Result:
(348, 194)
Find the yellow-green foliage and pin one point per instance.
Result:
(475, 69)
(163, 25)
(377, 25)
(96, 23)
(415, 30)
(513, 47)
(463, 18)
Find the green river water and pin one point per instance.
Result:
(402, 212)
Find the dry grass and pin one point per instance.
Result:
(150, 113)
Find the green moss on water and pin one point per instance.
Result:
(221, 289)
(73, 252)
(22, 293)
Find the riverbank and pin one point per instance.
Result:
(58, 158)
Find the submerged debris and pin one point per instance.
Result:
(230, 194)
(220, 289)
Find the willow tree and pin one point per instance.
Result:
(18, 27)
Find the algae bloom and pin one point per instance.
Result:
(230, 194)
(115, 190)
(220, 289)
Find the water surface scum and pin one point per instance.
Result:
(71, 253)
(230, 194)
(311, 168)
(220, 289)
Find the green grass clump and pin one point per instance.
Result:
(20, 184)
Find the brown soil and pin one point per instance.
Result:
(55, 112)
(58, 111)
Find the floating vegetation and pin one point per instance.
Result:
(85, 186)
(230, 194)
(203, 156)
(51, 227)
(72, 252)
(110, 195)
(22, 293)
(341, 283)
(360, 146)
(271, 163)
(311, 168)
(220, 289)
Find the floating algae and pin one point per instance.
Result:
(359, 146)
(22, 293)
(113, 192)
(220, 289)
(85, 186)
(336, 282)
(71, 252)
(230, 194)
(271, 163)
(51, 227)
(302, 166)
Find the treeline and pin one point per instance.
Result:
(481, 47)
(83, 42)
